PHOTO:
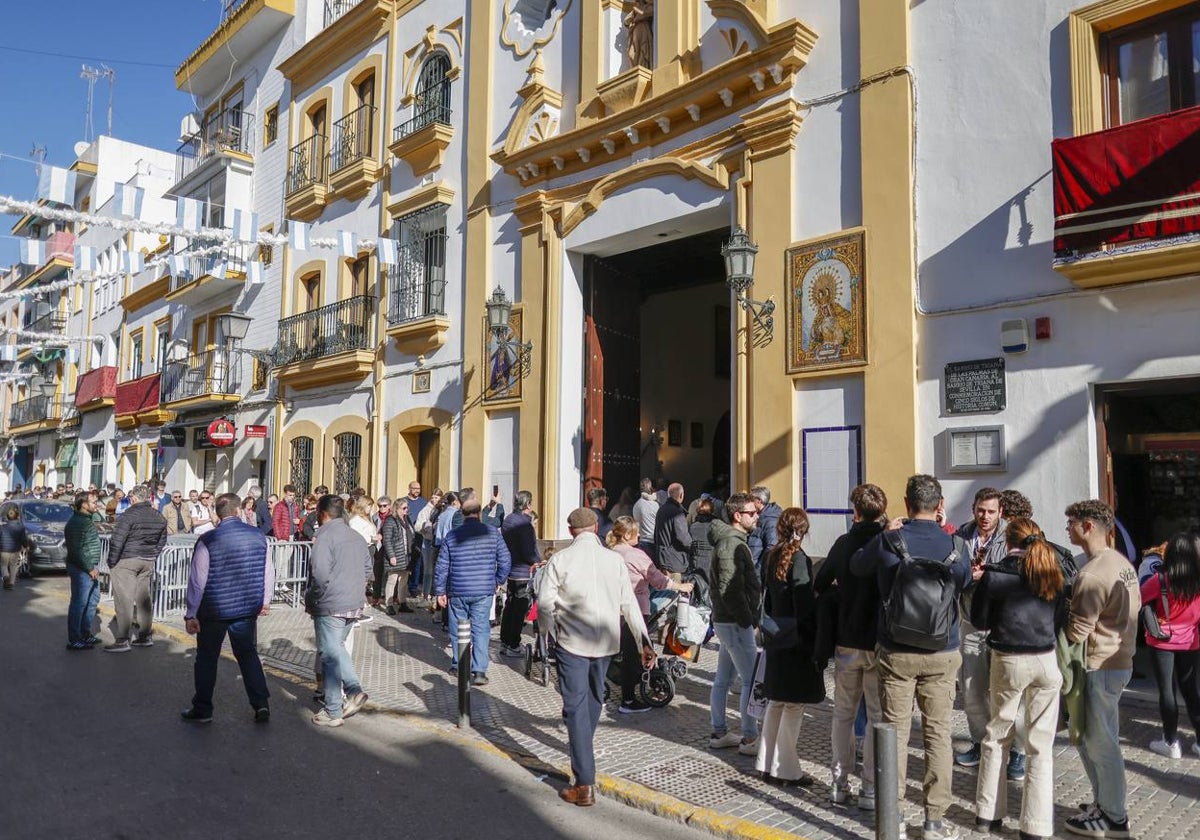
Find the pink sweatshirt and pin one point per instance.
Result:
(642, 574)
(1181, 623)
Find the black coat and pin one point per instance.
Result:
(791, 675)
(141, 533)
(397, 543)
(701, 548)
(672, 539)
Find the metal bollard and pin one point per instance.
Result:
(887, 800)
(464, 674)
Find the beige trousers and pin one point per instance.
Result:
(855, 676)
(131, 581)
(777, 740)
(1028, 682)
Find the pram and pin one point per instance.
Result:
(657, 686)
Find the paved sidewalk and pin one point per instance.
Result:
(403, 664)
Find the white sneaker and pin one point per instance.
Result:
(1172, 750)
(748, 747)
(838, 794)
(722, 742)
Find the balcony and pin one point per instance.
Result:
(60, 256)
(52, 323)
(97, 389)
(209, 379)
(137, 403)
(205, 276)
(421, 142)
(335, 9)
(245, 26)
(352, 160)
(307, 186)
(223, 137)
(34, 414)
(416, 312)
(1127, 201)
(331, 344)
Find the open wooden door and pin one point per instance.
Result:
(1107, 488)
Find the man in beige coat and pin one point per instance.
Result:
(179, 519)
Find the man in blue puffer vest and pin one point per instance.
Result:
(473, 563)
(229, 587)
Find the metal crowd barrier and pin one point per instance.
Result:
(169, 588)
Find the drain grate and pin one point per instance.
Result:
(705, 783)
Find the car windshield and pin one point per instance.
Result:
(44, 514)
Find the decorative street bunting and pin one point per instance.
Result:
(57, 184)
(347, 243)
(298, 236)
(127, 201)
(254, 272)
(132, 262)
(245, 226)
(187, 214)
(33, 251)
(85, 258)
(388, 250)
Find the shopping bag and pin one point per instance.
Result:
(757, 707)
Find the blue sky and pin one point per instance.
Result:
(44, 100)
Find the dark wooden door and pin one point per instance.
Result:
(613, 378)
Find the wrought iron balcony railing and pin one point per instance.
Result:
(51, 323)
(187, 266)
(214, 372)
(334, 9)
(335, 328)
(306, 164)
(430, 105)
(33, 410)
(228, 131)
(353, 138)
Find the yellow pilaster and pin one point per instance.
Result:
(477, 267)
(889, 386)
(676, 34)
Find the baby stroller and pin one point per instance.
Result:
(538, 657)
(657, 686)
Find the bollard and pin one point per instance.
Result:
(464, 674)
(887, 800)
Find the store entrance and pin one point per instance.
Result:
(657, 367)
(1150, 457)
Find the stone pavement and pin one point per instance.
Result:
(403, 663)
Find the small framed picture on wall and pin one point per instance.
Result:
(697, 436)
(674, 433)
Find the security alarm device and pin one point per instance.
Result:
(1014, 336)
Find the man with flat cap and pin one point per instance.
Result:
(584, 593)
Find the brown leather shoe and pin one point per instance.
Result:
(580, 795)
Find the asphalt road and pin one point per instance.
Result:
(91, 745)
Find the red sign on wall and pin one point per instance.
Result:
(222, 432)
(254, 431)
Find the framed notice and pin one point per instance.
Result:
(976, 449)
(832, 458)
(975, 387)
(421, 380)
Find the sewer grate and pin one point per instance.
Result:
(704, 783)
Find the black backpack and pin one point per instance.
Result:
(920, 609)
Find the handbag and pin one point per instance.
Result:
(1150, 617)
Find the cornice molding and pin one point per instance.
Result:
(439, 192)
(353, 32)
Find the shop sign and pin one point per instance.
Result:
(975, 387)
(221, 432)
(254, 432)
(172, 436)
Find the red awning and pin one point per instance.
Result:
(1136, 181)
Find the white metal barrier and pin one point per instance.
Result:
(169, 588)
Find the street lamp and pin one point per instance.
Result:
(499, 313)
(233, 325)
(42, 386)
(739, 254)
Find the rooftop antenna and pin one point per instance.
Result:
(92, 74)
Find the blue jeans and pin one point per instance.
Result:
(1100, 748)
(243, 637)
(581, 679)
(85, 595)
(339, 670)
(476, 610)
(737, 654)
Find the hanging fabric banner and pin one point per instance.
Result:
(85, 258)
(245, 226)
(127, 201)
(348, 243)
(33, 251)
(298, 236)
(177, 265)
(133, 262)
(56, 184)
(217, 269)
(187, 213)
(388, 251)
(254, 272)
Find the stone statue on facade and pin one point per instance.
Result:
(639, 26)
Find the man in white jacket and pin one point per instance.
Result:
(584, 592)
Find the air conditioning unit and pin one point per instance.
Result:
(189, 127)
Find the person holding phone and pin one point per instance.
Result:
(493, 511)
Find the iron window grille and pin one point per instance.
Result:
(300, 465)
(347, 456)
(417, 283)
(431, 103)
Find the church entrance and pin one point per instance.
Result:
(657, 367)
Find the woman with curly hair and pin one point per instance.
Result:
(1176, 657)
(791, 677)
(1017, 601)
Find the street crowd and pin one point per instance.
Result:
(909, 609)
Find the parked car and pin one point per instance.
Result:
(44, 521)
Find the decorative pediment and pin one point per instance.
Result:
(539, 115)
(740, 24)
(448, 39)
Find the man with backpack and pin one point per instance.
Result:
(921, 571)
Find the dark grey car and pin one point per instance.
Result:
(44, 520)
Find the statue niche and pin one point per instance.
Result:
(531, 23)
(639, 31)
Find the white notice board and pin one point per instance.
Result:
(832, 458)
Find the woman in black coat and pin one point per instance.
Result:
(397, 555)
(791, 677)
